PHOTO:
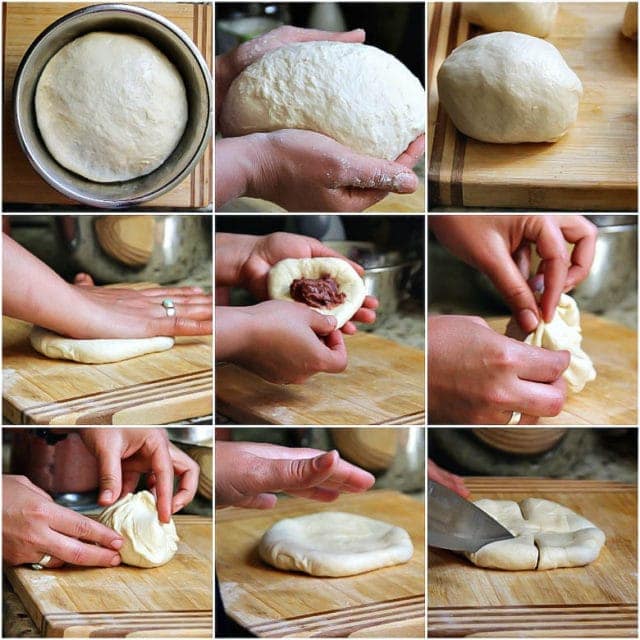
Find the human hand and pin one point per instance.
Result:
(283, 342)
(500, 246)
(138, 313)
(307, 171)
(33, 526)
(124, 454)
(249, 473)
(230, 64)
(446, 478)
(477, 376)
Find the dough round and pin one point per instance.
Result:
(334, 544)
(147, 542)
(509, 87)
(349, 282)
(563, 332)
(548, 536)
(630, 21)
(98, 351)
(359, 95)
(111, 106)
(534, 18)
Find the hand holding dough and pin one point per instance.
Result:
(147, 541)
(333, 544)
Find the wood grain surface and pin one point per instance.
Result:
(383, 384)
(169, 601)
(273, 603)
(612, 397)
(154, 389)
(23, 22)
(597, 600)
(592, 168)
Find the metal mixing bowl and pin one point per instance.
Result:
(175, 44)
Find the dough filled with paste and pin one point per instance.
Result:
(111, 106)
(547, 536)
(333, 544)
(147, 541)
(350, 286)
(99, 351)
(358, 95)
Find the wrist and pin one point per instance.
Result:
(233, 334)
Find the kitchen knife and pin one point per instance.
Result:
(457, 524)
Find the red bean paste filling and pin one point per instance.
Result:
(320, 293)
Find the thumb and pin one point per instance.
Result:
(109, 476)
(364, 172)
(298, 473)
(322, 324)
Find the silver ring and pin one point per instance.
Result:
(515, 417)
(169, 307)
(42, 563)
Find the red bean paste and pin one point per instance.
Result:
(320, 293)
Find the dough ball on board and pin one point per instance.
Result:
(547, 536)
(533, 18)
(111, 106)
(358, 95)
(314, 281)
(147, 541)
(509, 87)
(98, 351)
(334, 544)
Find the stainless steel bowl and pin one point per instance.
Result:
(175, 44)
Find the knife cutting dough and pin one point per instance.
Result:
(88, 323)
(477, 376)
(283, 145)
(547, 536)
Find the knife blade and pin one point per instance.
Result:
(457, 524)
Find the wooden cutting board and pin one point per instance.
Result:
(23, 22)
(169, 601)
(268, 602)
(383, 384)
(597, 600)
(154, 389)
(612, 397)
(592, 168)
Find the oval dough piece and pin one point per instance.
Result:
(111, 106)
(147, 542)
(349, 282)
(358, 95)
(547, 536)
(333, 544)
(630, 21)
(533, 18)
(98, 351)
(509, 87)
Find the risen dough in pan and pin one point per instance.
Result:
(332, 543)
(147, 542)
(97, 351)
(349, 282)
(534, 18)
(111, 106)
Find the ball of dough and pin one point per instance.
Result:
(333, 544)
(111, 106)
(534, 18)
(147, 541)
(350, 286)
(509, 87)
(630, 21)
(358, 95)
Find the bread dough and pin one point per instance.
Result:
(334, 544)
(349, 282)
(509, 87)
(533, 18)
(630, 21)
(548, 536)
(359, 95)
(563, 332)
(111, 106)
(98, 351)
(147, 542)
